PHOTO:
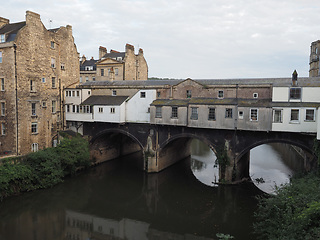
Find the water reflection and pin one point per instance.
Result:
(203, 163)
(113, 201)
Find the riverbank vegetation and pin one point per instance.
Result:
(293, 213)
(43, 169)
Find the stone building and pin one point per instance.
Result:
(115, 66)
(36, 64)
(314, 59)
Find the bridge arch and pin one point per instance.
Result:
(113, 143)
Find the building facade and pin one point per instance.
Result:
(36, 64)
(115, 66)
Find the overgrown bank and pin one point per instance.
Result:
(43, 169)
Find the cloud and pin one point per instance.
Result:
(198, 39)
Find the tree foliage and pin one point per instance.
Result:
(293, 213)
(43, 169)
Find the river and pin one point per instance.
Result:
(115, 201)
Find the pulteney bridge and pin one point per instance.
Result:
(164, 145)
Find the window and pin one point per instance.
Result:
(78, 93)
(294, 115)
(240, 114)
(212, 114)
(158, 112)
(54, 105)
(52, 44)
(80, 79)
(2, 38)
(53, 80)
(142, 94)
(2, 84)
(194, 113)
(158, 94)
(189, 94)
(114, 93)
(44, 104)
(112, 110)
(87, 79)
(34, 127)
(253, 114)
(100, 110)
(43, 80)
(116, 71)
(228, 113)
(89, 92)
(0, 57)
(295, 93)
(93, 79)
(33, 109)
(53, 62)
(102, 72)
(277, 115)
(34, 147)
(174, 112)
(3, 109)
(255, 95)
(62, 66)
(68, 108)
(32, 86)
(3, 129)
(310, 116)
(220, 94)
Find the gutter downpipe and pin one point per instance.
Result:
(16, 91)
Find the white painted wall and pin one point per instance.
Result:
(77, 100)
(318, 124)
(280, 94)
(106, 116)
(81, 117)
(299, 126)
(137, 107)
(310, 94)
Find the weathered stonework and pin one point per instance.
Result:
(46, 63)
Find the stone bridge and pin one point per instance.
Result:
(164, 145)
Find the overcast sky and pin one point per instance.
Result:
(190, 38)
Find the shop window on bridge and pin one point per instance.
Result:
(253, 114)
(295, 93)
(174, 112)
(277, 115)
(310, 115)
(294, 117)
(228, 113)
(158, 112)
(212, 114)
(194, 113)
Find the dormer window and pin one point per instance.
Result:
(295, 93)
(89, 68)
(2, 38)
(119, 58)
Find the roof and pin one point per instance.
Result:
(302, 82)
(114, 55)
(88, 63)
(213, 101)
(11, 30)
(105, 100)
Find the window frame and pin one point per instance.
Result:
(33, 109)
(1, 57)
(53, 82)
(114, 92)
(189, 93)
(2, 82)
(2, 38)
(298, 115)
(280, 116)
(53, 106)
(313, 115)
(3, 108)
(53, 62)
(255, 95)
(3, 129)
(229, 113)
(32, 85)
(254, 117)
(240, 114)
(143, 94)
(220, 94)
(34, 147)
(194, 113)
(294, 94)
(158, 113)
(112, 110)
(211, 114)
(174, 112)
(102, 72)
(100, 109)
(34, 127)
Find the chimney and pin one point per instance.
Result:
(3, 21)
(141, 51)
(83, 59)
(32, 16)
(129, 47)
(102, 52)
(294, 78)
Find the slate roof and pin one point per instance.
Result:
(114, 55)
(105, 100)
(86, 63)
(305, 81)
(11, 30)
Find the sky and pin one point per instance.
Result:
(203, 39)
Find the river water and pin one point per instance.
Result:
(116, 201)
